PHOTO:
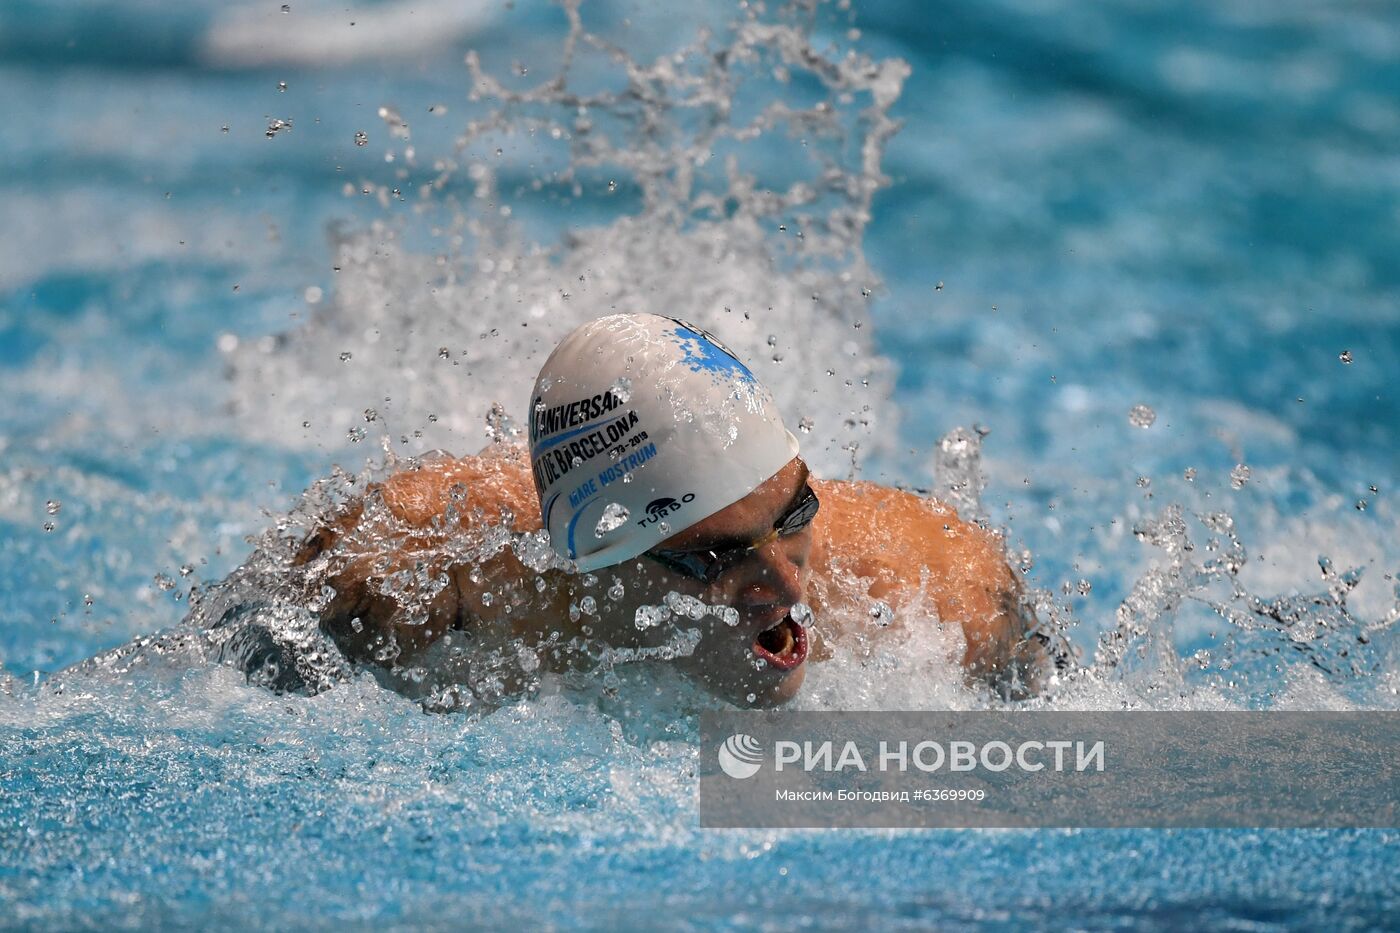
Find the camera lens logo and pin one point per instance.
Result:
(740, 756)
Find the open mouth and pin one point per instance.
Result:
(783, 646)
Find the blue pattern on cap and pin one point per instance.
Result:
(703, 354)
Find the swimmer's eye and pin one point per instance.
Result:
(708, 566)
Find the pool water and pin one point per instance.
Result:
(1143, 259)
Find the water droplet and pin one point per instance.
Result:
(371, 415)
(1239, 476)
(164, 583)
(277, 126)
(397, 127)
(614, 516)
(1360, 505)
(281, 85)
(355, 435)
(49, 526)
(346, 356)
(53, 506)
(938, 287)
(650, 616)
(361, 138)
(1144, 481)
(881, 613)
(616, 591)
(224, 128)
(612, 186)
(1345, 356)
(1141, 416)
(1084, 586)
(622, 388)
(286, 8)
(801, 613)
(752, 697)
(1190, 474)
(444, 353)
(805, 425)
(1373, 489)
(500, 426)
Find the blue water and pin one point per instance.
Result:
(1091, 207)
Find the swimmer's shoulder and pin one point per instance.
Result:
(877, 531)
(495, 480)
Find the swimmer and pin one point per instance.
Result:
(661, 469)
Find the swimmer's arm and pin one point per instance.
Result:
(366, 621)
(438, 502)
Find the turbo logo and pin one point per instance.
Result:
(657, 509)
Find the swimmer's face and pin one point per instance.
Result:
(762, 659)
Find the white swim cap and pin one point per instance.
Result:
(641, 426)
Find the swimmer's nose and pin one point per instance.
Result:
(777, 574)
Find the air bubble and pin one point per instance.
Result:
(355, 435)
(622, 388)
(805, 425)
(1239, 476)
(346, 356)
(361, 138)
(1189, 474)
(53, 506)
(1345, 357)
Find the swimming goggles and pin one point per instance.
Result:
(708, 565)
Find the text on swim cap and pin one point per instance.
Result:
(563, 454)
(556, 418)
